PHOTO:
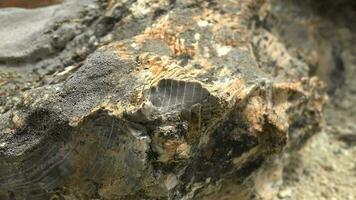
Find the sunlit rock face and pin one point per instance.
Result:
(176, 110)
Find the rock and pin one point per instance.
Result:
(179, 110)
(285, 193)
(23, 30)
(46, 39)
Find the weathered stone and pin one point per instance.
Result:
(177, 109)
(23, 36)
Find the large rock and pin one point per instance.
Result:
(23, 31)
(181, 110)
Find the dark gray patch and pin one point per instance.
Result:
(103, 74)
(169, 94)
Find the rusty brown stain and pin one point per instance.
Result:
(28, 3)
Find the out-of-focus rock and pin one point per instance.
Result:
(24, 33)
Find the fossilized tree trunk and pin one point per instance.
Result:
(181, 109)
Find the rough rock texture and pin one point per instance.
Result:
(176, 100)
(322, 33)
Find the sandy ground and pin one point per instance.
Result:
(326, 166)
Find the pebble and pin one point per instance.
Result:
(284, 193)
(171, 181)
(2, 145)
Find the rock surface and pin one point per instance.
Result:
(29, 39)
(155, 100)
(323, 34)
